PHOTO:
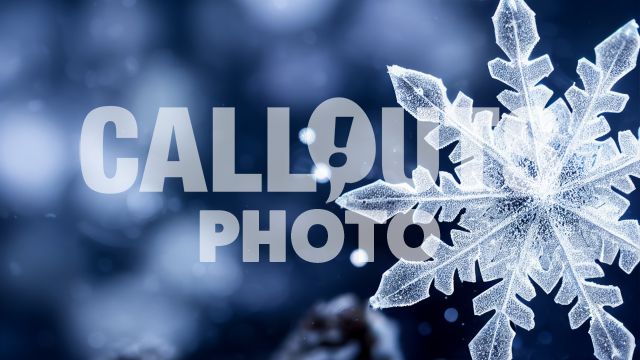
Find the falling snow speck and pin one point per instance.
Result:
(359, 258)
(307, 136)
(321, 173)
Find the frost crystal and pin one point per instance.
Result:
(537, 191)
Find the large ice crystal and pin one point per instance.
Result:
(537, 191)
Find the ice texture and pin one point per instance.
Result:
(537, 191)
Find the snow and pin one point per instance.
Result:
(359, 258)
(537, 191)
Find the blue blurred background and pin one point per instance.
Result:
(90, 276)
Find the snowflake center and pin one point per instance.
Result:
(542, 192)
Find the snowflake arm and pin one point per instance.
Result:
(609, 237)
(611, 340)
(516, 34)
(612, 167)
(615, 57)
(601, 216)
(380, 201)
(407, 282)
(495, 339)
(424, 96)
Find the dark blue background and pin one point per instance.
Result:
(72, 260)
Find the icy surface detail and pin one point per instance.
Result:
(536, 193)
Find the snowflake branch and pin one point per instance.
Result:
(420, 94)
(494, 341)
(381, 200)
(625, 234)
(406, 283)
(598, 80)
(604, 174)
(621, 166)
(516, 34)
(606, 227)
(611, 340)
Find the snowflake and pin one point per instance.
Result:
(536, 190)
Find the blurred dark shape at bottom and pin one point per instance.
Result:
(144, 354)
(147, 350)
(342, 329)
